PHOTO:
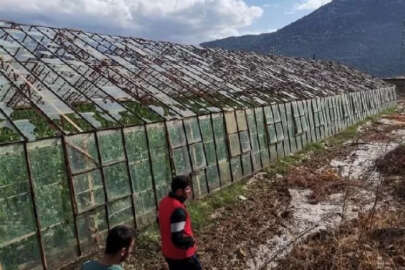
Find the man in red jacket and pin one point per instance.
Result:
(178, 244)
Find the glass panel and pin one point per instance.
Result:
(255, 143)
(234, 145)
(17, 223)
(213, 177)
(60, 244)
(141, 176)
(181, 161)
(273, 152)
(145, 208)
(298, 126)
(160, 158)
(225, 172)
(269, 115)
(247, 164)
(276, 113)
(199, 184)
(157, 135)
(197, 156)
(206, 129)
(222, 149)
(280, 133)
(236, 168)
(245, 142)
(192, 130)
(241, 118)
(210, 153)
(287, 124)
(120, 212)
(218, 126)
(176, 133)
(92, 228)
(231, 126)
(82, 152)
(116, 180)
(111, 148)
(89, 190)
(257, 165)
(136, 144)
(272, 134)
(265, 157)
(53, 200)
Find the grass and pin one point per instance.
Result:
(199, 210)
(282, 166)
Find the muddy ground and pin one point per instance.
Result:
(339, 205)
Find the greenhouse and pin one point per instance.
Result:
(93, 127)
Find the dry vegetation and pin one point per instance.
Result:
(373, 240)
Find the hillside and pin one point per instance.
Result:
(365, 34)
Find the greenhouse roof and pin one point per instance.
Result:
(62, 81)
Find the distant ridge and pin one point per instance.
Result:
(365, 34)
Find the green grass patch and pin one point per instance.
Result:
(282, 166)
(345, 135)
(148, 236)
(199, 210)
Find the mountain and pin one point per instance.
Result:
(365, 34)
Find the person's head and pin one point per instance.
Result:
(181, 187)
(120, 241)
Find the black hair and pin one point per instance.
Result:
(119, 237)
(180, 182)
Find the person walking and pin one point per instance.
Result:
(119, 244)
(178, 244)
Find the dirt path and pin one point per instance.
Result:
(282, 210)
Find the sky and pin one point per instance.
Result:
(183, 21)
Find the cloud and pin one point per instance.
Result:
(311, 4)
(186, 21)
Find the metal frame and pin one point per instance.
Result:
(216, 84)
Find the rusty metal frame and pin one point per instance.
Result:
(100, 73)
(35, 209)
(61, 77)
(46, 86)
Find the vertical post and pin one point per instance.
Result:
(37, 222)
(100, 161)
(72, 193)
(131, 188)
(216, 149)
(240, 143)
(169, 148)
(189, 154)
(151, 166)
(228, 146)
(251, 140)
(266, 132)
(205, 154)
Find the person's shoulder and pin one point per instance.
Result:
(94, 265)
(115, 267)
(89, 265)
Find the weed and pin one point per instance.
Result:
(201, 209)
